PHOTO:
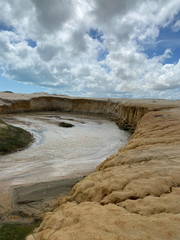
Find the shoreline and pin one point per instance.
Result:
(28, 203)
(59, 152)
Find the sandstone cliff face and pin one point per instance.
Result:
(135, 193)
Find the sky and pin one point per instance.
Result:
(91, 48)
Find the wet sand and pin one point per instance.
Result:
(57, 153)
(26, 204)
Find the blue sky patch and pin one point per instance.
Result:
(166, 39)
(106, 67)
(96, 34)
(177, 17)
(31, 43)
(3, 27)
(102, 54)
(18, 87)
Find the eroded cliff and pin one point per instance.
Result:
(135, 193)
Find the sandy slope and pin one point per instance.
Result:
(134, 194)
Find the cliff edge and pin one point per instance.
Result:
(135, 193)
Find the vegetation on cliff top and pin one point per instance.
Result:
(13, 138)
(16, 231)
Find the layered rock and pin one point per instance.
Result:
(135, 193)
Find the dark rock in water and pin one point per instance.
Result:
(127, 127)
(66, 125)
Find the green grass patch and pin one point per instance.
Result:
(66, 125)
(13, 138)
(16, 231)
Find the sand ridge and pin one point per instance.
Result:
(133, 195)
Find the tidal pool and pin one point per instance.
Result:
(59, 152)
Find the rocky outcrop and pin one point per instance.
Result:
(135, 193)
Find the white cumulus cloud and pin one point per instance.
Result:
(90, 48)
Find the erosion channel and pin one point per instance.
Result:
(57, 152)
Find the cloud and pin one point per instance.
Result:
(168, 78)
(47, 51)
(90, 48)
(52, 15)
(108, 11)
(176, 26)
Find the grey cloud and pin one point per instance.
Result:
(53, 14)
(23, 53)
(12, 11)
(85, 71)
(78, 41)
(123, 75)
(47, 51)
(106, 10)
(4, 48)
(166, 86)
(125, 31)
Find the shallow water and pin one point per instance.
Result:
(59, 152)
